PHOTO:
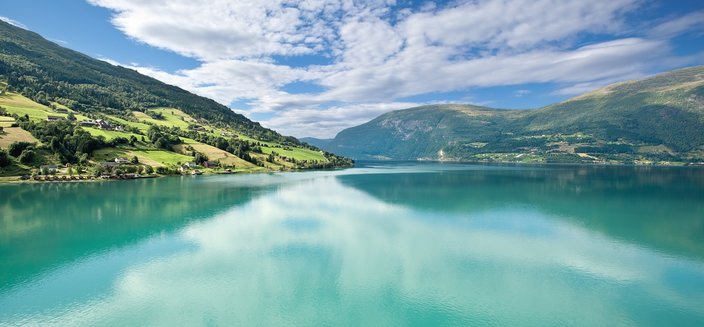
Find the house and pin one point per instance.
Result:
(109, 164)
(103, 124)
(191, 164)
(228, 134)
(51, 169)
(210, 164)
(121, 160)
(89, 123)
(54, 118)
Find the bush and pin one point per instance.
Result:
(119, 140)
(4, 159)
(27, 156)
(16, 148)
(200, 158)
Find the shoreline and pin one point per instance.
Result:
(4, 180)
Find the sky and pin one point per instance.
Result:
(315, 67)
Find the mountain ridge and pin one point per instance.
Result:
(26, 53)
(619, 123)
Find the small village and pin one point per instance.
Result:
(121, 168)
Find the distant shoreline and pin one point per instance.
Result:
(359, 163)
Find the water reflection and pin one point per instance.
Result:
(46, 225)
(658, 207)
(319, 251)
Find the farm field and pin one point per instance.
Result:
(172, 117)
(15, 134)
(17, 104)
(154, 158)
(6, 121)
(110, 135)
(144, 151)
(214, 154)
(296, 153)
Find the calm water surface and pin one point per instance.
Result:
(404, 244)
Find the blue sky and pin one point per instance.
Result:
(312, 68)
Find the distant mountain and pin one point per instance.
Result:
(659, 119)
(320, 143)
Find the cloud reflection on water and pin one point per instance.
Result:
(320, 251)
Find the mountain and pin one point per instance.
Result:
(320, 143)
(51, 98)
(658, 119)
(42, 71)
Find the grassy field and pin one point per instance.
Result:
(15, 134)
(154, 158)
(175, 116)
(172, 117)
(109, 135)
(297, 153)
(17, 104)
(141, 126)
(163, 157)
(6, 121)
(215, 154)
(20, 105)
(219, 133)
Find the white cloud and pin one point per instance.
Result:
(13, 22)
(325, 123)
(378, 55)
(672, 27)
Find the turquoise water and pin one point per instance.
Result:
(378, 245)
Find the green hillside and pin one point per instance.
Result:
(50, 98)
(656, 120)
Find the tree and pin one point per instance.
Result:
(162, 143)
(149, 170)
(71, 116)
(135, 160)
(98, 170)
(201, 158)
(70, 171)
(133, 140)
(27, 156)
(16, 148)
(56, 144)
(4, 159)
(83, 159)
